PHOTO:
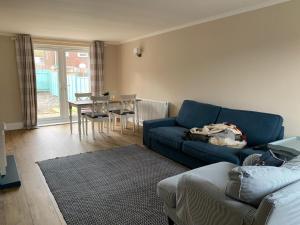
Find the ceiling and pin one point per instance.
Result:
(113, 20)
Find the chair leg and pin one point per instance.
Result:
(108, 125)
(111, 124)
(133, 124)
(93, 129)
(98, 127)
(121, 124)
(86, 126)
(170, 222)
(83, 125)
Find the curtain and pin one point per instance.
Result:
(97, 57)
(26, 71)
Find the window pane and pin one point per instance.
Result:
(47, 82)
(78, 72)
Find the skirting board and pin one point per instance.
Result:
(14, 126)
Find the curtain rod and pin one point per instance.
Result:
(59, 42)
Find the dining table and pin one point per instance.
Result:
(80, 104)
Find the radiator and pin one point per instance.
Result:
(152, 109)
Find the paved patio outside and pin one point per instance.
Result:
(48, 105)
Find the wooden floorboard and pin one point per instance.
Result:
(33, 203)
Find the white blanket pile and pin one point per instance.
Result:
(222, 134)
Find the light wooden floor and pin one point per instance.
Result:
(33, 203)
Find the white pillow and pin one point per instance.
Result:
(250, 184)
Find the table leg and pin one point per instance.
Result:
(70, 117)
(79, 121)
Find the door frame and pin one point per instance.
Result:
(62, 80)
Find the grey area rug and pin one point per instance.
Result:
(110, 187)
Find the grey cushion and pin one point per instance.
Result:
(268, 158)
(251, 184)
(252, 160)
(96, 115)
(216, 173)
(117, 111)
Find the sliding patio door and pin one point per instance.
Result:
(61, 71)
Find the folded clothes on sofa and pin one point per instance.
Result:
(222, 134)
(266, 159)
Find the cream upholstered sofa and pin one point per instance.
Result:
(197, 197)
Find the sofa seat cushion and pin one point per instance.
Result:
(169, 136)
(210, 153)
(259, 128)
(196, 114)
(216, 173)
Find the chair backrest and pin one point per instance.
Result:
(128, 102)
(280, 207)
(83, 96)
(100, 104)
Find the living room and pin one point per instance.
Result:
(200, 63)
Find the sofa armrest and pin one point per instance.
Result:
(280, 207)
(149, 124)
(200, 202)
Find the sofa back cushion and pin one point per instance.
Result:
(196, 114)
(260, 128)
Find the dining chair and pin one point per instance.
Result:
(82, 97)
(128, 110)
(99, 113)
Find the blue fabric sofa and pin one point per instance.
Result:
(165, 136)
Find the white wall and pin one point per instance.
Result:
(249, 61)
